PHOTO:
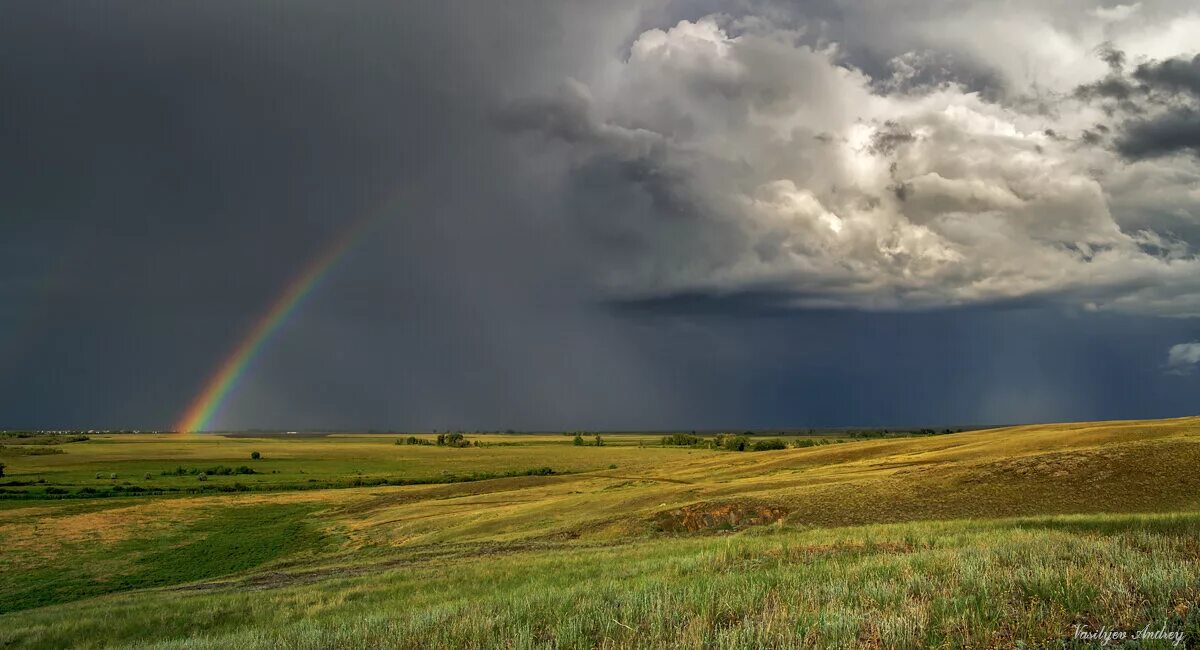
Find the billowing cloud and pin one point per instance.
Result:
(1116, 12)
(738, 156)
(1183, 358)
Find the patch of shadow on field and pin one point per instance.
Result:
(717, 516)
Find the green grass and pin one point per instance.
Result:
(940, 584)
(139, 461)
(213, 544)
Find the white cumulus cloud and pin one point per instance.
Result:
(724, 156)
(1183, 357)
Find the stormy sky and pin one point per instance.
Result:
(621, 214)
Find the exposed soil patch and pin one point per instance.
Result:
(712, 517)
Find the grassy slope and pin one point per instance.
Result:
(1100, 467)
(581, 559)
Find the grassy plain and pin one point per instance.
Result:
(979, 539)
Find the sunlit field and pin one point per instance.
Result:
(991, 538)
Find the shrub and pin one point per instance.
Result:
(2, 466)
(769, 445)
(113, 476)
(599, 441)
(148, 476)
(731, 442)
(55, 490)
(254, 455)
(578, 442)
(682, 440)
(452, 440)
(806, 442)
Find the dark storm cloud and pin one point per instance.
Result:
(1174, 83)
(1111, 87)
(178, 164)
(167, 168)
(1177, 130)
(1171, 75)
(1160, 103)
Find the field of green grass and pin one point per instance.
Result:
(981, 539)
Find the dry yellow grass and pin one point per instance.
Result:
(1087, 467)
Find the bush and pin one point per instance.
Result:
(731, 442)
(769, 445)
(806, 442)
(578, 442)
(203, 477)
(452, 440)
(219, 470)
(254, 455)
(2, 466)
(599, 441)
(413, 440)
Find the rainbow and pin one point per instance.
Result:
(208, 402)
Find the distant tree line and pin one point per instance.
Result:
(738, 442)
